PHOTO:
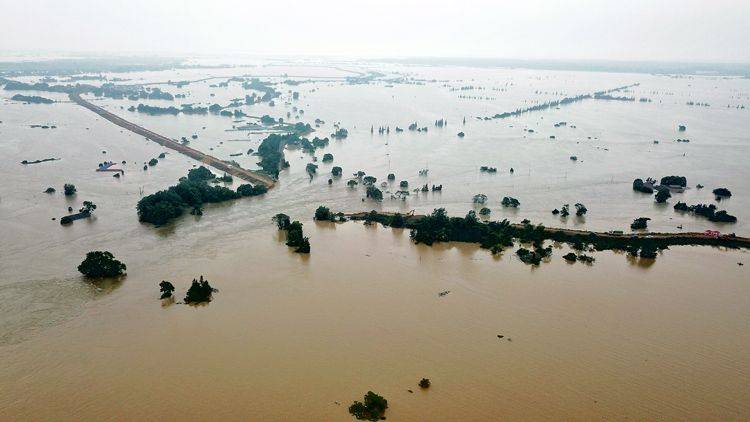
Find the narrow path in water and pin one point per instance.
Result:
(214, 162)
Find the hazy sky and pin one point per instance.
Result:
(690, 30)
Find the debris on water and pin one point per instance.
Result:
(410, 391)
(443, 293)
(500, 336)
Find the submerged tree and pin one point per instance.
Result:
(374, 193)
(200, 291)
(69, 189)
(101, 264)
(372, 409)
(662, 195)
(282, 221)
(166, 288)
(323, 213)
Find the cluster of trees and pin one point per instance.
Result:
(374, 193)
(662, 194)
(269, 93)
(155, 110)
(680, 181)
(250, 190)
(99, 264)
(323, 213)
(708, 211)
(564, 211)
(295, 238)
(200, 291)
(510, 202)
(33, 99)
(557, 103)
(639, 223)
(191, 191)
(494, 235)
(271, 151)
(340, 133)
(69, 189)
(646, 187)
(372, 409)
(722, 193)
(534, 257)
(307, 145)
(572, 257)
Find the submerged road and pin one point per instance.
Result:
(248, 175)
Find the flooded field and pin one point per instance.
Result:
(291, 336)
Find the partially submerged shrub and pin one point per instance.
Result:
(373, 408)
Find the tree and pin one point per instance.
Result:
(101, 264)
(374, 193)
(336, 171)
(166, 288)
(722, 192)
(424, 383)
(581, 210)
(282, 221)
(294, 234)
(397, 221)
(372, 409)
(511, 202)
(323, 214)
(304, 246)
(674, 181)
(250, 190)
(88, 207)
(69, 189)
(200, 173)
(639, 223)
(662, 195)
(152, 162)
(200, 291)
(327, 158)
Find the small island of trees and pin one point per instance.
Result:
(98, 264)
(295, 238)
(191, 192)
(372, 409)
(200, 291)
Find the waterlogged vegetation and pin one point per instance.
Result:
(98, 264)
(371, 409)
(191, 192)
(33, 99)
(295, 238)
(499, 235)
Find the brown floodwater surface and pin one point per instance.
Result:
(295, 337)
(299, 337)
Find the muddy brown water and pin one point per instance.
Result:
(292, 337)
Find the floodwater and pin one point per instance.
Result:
(300, 337)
